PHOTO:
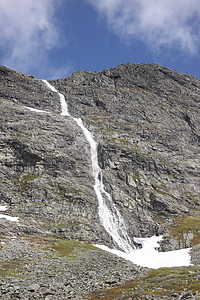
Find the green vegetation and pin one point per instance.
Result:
(71, 248)
(12, 268)
(122, 142)
(162, 189)
(24, 180)
(160, 282)
(51, 248)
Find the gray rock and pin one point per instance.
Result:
(33, 287)
(148, 133)
(145, 119)
(195, 255)
(39, 273)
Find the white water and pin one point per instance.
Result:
(109, 216)
(62, 99)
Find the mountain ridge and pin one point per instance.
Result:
(145, 119)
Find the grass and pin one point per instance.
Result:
(52, 247)
(69, 191)
(71, 248)
(12, 268)
(26, 178)
(160, 282)
(62, 247)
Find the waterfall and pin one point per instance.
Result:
(109, 216)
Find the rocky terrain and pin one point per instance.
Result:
(145, 119)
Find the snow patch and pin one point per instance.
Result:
(9, 218)
(149, 257)
(3, 207)
(37, 110)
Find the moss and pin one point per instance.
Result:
(24, 180)
(65, 248)
(136, 176)
(158, 218)
(12, 268)
(71, 248)
(113, 124)
(61, 247)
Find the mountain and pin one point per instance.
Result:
(145, 119)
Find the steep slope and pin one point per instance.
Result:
(145, 119)
(45, 162)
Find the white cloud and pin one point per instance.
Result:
(158, 23)
(27, 32)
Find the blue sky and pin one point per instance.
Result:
(54, 38)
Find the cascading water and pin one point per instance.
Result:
(109, 216)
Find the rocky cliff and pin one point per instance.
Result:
(145, 119)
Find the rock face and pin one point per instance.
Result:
(45, 162)
(146, 121)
